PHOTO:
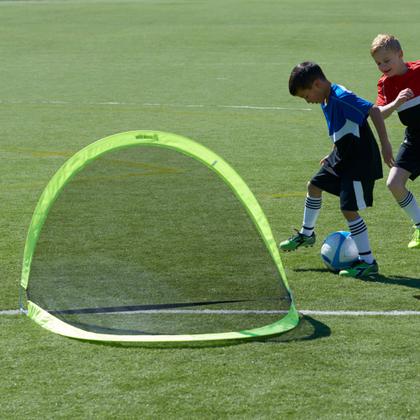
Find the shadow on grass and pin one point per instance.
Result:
(397, 280)
(313, 270)
(308, 329)
(394, 280)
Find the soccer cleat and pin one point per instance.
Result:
(360, 268)
(294, 242)
(415, 240)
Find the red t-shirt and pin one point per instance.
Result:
(390, 87)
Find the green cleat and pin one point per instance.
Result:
(415, 240)
(360, 269)
(294, 242)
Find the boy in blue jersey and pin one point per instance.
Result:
(352, 167)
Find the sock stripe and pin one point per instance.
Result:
(407, 200)
(358, 231)
(312, 207)
(314, 199)
(310, 215)
(356, 223)
(313, 203)
(358, 227)
(410, 207)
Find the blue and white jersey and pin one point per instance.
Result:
(356, 153)
(345, 112)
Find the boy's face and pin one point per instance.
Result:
(316, 94)
(389, 62)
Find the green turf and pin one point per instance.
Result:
(362, 370)
(65, 63)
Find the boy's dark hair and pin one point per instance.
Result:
(303, 76)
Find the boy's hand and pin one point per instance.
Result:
(403, 96)
(323, 160)
(387, 155)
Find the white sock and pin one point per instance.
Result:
(409, 205)
(310, 214)
(359, 233)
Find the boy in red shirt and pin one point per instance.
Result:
(399, 90)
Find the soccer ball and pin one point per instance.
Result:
(339, 251)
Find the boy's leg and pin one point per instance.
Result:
(306, 236)
(359, 233)
(313, 203)
(357, 195)
(322, 181)
(366, 265)
(396, 182)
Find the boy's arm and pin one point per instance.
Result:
(378, 121)
(403, 96)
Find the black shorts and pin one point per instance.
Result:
(408, 158)
(354, 195)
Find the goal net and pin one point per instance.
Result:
(150, 237)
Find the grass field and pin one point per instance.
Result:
(215, 71)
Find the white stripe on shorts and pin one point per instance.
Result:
(360, 197)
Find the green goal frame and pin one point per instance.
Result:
(187, 147)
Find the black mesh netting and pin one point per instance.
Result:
(146, 240)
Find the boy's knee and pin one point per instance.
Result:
(393, 184)
(397, 179)
(313, 191)
(350, 215)
(397, 187)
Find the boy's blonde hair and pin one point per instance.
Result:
(386, 41)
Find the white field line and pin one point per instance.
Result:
(275, 108)
(250, 312)
(148, 104)
(10, 312)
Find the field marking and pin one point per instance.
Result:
(150, 104)
(10, 312)
(286, 194)
(251, 312)
(276, 108)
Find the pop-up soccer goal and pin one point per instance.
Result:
(150, 237)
